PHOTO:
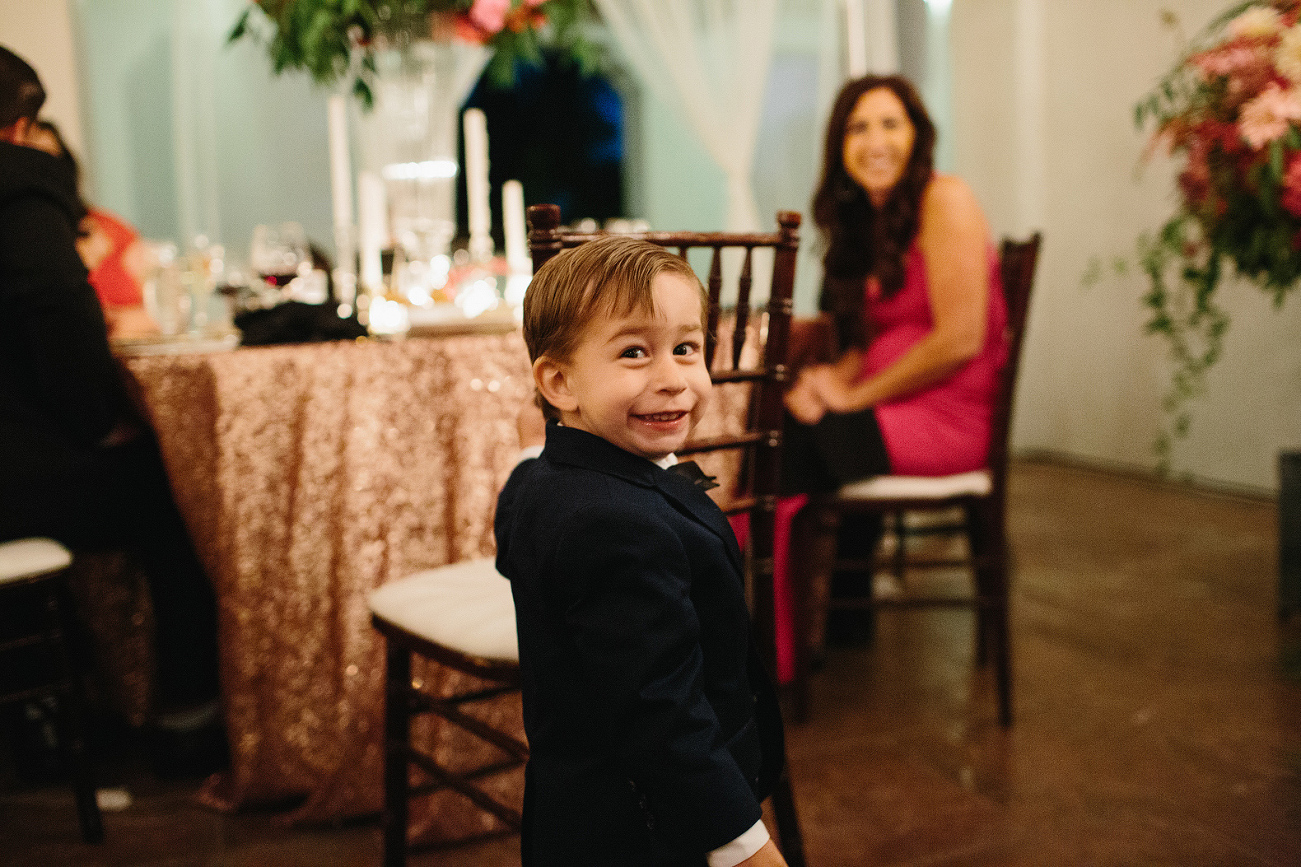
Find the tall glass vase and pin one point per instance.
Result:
(408, 139)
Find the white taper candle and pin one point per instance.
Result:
(340, 164)
(512, 218)
(476, 184)
(372, 219)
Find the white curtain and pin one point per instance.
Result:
(709, 60)
(882, 37)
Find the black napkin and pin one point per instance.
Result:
(296, 322)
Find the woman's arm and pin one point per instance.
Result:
(129, 319)
(954, 240)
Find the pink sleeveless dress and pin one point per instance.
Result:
(942, 430)
(946, 428)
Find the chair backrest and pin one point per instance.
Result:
(755, 357)
(1017, 260)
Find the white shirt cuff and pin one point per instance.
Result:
(731, 854)
(528, 453)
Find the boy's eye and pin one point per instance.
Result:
(633, 352)
(688, 348)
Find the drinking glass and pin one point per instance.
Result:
(279, 253)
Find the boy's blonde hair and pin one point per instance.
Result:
(608, 277)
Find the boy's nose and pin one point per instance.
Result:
(669, 377)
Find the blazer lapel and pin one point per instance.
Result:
(691, 499)
(573, 446)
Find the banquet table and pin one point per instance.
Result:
(309, 475)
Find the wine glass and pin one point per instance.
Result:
(279, 253)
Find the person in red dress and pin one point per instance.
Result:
(118, 261)
(911, 284)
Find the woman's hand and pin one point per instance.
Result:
(833, 392)
(129, 321)
(802, 400)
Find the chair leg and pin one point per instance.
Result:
(76, 753)
(989, 552)
(70, 717)
(978, 549)
(397, 732)
(900, 558)
(788, 821)
(811, 565)
(999, 634)
(1003, 666)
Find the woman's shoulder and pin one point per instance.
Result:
(950, 205)
(948, 192)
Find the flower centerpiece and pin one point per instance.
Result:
(335, 39)
(410, 64)
(1231, 109)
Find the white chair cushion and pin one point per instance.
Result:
(466, 606)
(27, 558)
(977, 483)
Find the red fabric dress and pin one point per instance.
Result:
(110, 279)
(942, 430)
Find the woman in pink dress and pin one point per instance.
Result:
(911, 284)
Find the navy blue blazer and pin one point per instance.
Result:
(653, 731)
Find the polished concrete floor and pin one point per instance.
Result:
(1158, 717)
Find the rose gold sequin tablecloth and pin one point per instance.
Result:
(309, 475)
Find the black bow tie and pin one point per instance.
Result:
(690, 470)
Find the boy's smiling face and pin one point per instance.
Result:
(638, 381)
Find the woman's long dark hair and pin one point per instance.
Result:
(860, 239)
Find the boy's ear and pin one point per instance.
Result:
(552, 379)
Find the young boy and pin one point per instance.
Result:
(653, 732)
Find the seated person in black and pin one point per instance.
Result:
(76, 464)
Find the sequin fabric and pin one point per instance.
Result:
(309, 475)
(111, 599)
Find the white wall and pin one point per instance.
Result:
(192, 135)
(41, 33)
(1043, 102)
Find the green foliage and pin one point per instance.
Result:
(1182, 309)
(334, 39)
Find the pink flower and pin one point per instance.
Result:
(1230, 59)
(1247, 64)
(1162, 141)
(1266, 117)
(1258, 21)
(1291, 198)
(489, 15)
(533, 4)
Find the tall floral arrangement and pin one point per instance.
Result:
(1231, 110)
(336, 39)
